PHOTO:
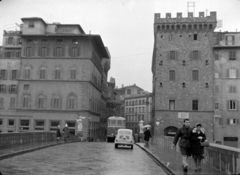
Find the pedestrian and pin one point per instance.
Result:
(184, 144)
(58, 133)
(147, 136)
(65, 132)
(141, 128)
(197, 135)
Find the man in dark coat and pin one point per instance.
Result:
(184, 143)
(197, 136)
(65, 132)
(147, 135)
(58, 133)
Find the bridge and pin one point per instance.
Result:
(38, 153)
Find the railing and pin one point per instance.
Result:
(218, 159)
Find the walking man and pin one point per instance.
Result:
(147, 136)
(184, 134)
(66, 132)
(58, 133)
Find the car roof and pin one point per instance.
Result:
(125, 130)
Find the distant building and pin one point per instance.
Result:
(63, 76)
(227, 88)
(137, 108)
(182, 67)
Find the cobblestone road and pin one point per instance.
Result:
(86, 158)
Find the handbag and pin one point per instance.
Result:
(205, 143)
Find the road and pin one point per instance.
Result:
(82, 158)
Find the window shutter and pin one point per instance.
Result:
(228, 104)
(237, 105)
(10, 74)
(9, 89)
(24, 51)
(54, 51)
(226, 40)
(45, 102)
(6, 41)
(63, 51)
(176, 54)
(69, 52)
(39, 52)
(233, 40)
(199, 54)
(78, 54)
(6, 75)
(191, 55)
(228, 121)
(48, 51)
(33, 51)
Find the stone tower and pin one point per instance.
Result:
(183, 69)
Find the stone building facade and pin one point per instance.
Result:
(63, 75)
(182, 68)
(227, 88)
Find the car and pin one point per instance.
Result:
(124, 137)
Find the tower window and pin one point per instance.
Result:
(195, 36)
(183, 85)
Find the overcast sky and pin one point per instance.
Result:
(126, 26)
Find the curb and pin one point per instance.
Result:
(10, 155)
(164, 167)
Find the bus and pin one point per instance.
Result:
(114, 123)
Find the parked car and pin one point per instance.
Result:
(124, 137)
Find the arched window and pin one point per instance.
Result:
(26, 101)
(73, 73)
(42, 73)
(57, 73)
(40, 102)
(158, 28)
(72, 102)
(56, 102)
(27, 73)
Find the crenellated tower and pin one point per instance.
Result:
(183, 69)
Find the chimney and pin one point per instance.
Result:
(122, 85)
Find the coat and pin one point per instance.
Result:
(184, 134)
(147, 135)
(58, 133)
(196, 148)
(66, 132)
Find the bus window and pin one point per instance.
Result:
(113, 122)
(119, 122)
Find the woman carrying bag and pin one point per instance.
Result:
(196, 137)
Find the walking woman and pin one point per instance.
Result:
(58, 133)
(197, 135)
(147, 136)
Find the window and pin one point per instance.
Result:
(232, 89)
(216, 106)
(195, 75)
(26, 87)
(74, 52)
(57, 74)
(1, 121)
(1, 102)
(195, 37)
(10, 40)
(27, 73)
(39, 125)
(43, 52)
(3, 88)
(56, 103)
(143, 109)
(59, 51)
(59, 41)
(71, 103)
(40, 102)
(42, 74)
(74, 41)
(44, 41)
(8, 54)
(195, 55)
(12, 88)
(171, 104)
(24, 125)
(129, 91)
(232, 121)
(195, 105)
(229, 40)
(26, 102)
(29, 41)
(232, 73)
(12, 102)
(29, 52)
(172, 75)
(172, 55)
(126, 103)
(14, 74)
(143, 101)
(73, 74)
(11, 122)
(232, 55)
(31, 24)
(19, 41)
(232, 104)
(53, 125)
(3, 74)
(138, 92)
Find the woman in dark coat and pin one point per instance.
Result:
(58, 133)
(197, 135)
(65, 132)
(147, 135)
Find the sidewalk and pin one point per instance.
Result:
(170, 161)
(7, 152)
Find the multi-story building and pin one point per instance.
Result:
(9, 75)
(137, 108)
(63, 76)
(227, 92)
(182, 68)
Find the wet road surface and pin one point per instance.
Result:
(82, 158)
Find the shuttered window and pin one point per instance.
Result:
(172, 75)
(195, 75)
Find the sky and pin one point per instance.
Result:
(125, 26)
